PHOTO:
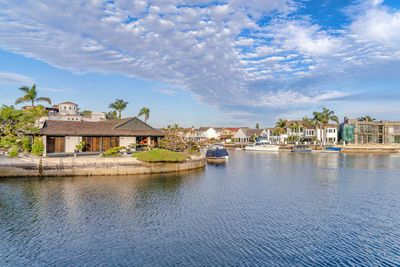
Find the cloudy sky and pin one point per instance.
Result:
(207, 62)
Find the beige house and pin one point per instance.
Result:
(63, 136)
(370, 132)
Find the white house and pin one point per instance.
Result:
(206, 133)
(68, 111)
(306, 134)
(243, 135)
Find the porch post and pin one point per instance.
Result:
(44, 140)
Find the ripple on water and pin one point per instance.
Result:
(258, 209)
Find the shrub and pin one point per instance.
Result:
(38, 147)
(26, 143)
(13, 152)
(113, 152)
(81, 146)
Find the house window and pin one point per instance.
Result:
(55, 144)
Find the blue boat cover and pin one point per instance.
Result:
(334, 148)
(216, 153)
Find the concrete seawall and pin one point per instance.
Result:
(89, 166)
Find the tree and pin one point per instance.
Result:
(323, 118)
(15, 125)
(31, 96)
(146, 112)
(112, 115)
(295, 129)
(257, 126)
(119, 105)
(281, 124)
(366, 118)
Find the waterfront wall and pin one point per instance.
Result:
(89, 166)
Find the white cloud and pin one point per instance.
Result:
(219, 52)
(10, 77)
(378, 25)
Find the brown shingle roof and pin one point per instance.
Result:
(251, 132)
(125, 127)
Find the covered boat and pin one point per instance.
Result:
(217, 152)
(332, 149)
(301, 149)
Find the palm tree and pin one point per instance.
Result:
(324, 117)
(119, 105)
(31, 96)
(281, 124)
(292, 128)
(146, 112)
(281, 127)
(366, 118)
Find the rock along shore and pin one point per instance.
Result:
(90, 166)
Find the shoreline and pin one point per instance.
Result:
(90, 166)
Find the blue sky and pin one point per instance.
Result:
(217, 63)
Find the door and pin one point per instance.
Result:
(55, 144)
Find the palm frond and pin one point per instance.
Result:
(44, 99)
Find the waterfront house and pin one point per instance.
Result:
(206, 133)
(229, 132)
(245, 135)
(303, 132)
(355, 131)
(63, 136)
(69, 111)
(274, 137)
(185, 133)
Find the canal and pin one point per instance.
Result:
(274, 209)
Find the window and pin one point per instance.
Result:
(69, 108)
(65, 107)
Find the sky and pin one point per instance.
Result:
(206, 63)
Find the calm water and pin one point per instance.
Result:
(258, 209)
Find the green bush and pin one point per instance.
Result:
(26, 143)
(161, 155)
(38, 147)
(13, 152)
(81, 146)
(113, 152)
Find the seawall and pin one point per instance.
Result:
(89, 166)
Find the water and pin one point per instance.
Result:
(258, 209)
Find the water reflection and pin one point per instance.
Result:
(257, 208)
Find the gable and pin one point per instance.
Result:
(240, 134)
(133, 124)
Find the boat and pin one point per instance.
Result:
(216, 153)
(332, 149)
(301, 149)
(262, 145)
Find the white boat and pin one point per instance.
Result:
(262, 145)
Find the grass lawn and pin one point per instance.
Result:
(161, 155)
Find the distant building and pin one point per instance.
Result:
(304, 133)
(206, 133)
(370, 132)
(245, 135)
(68, 111)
